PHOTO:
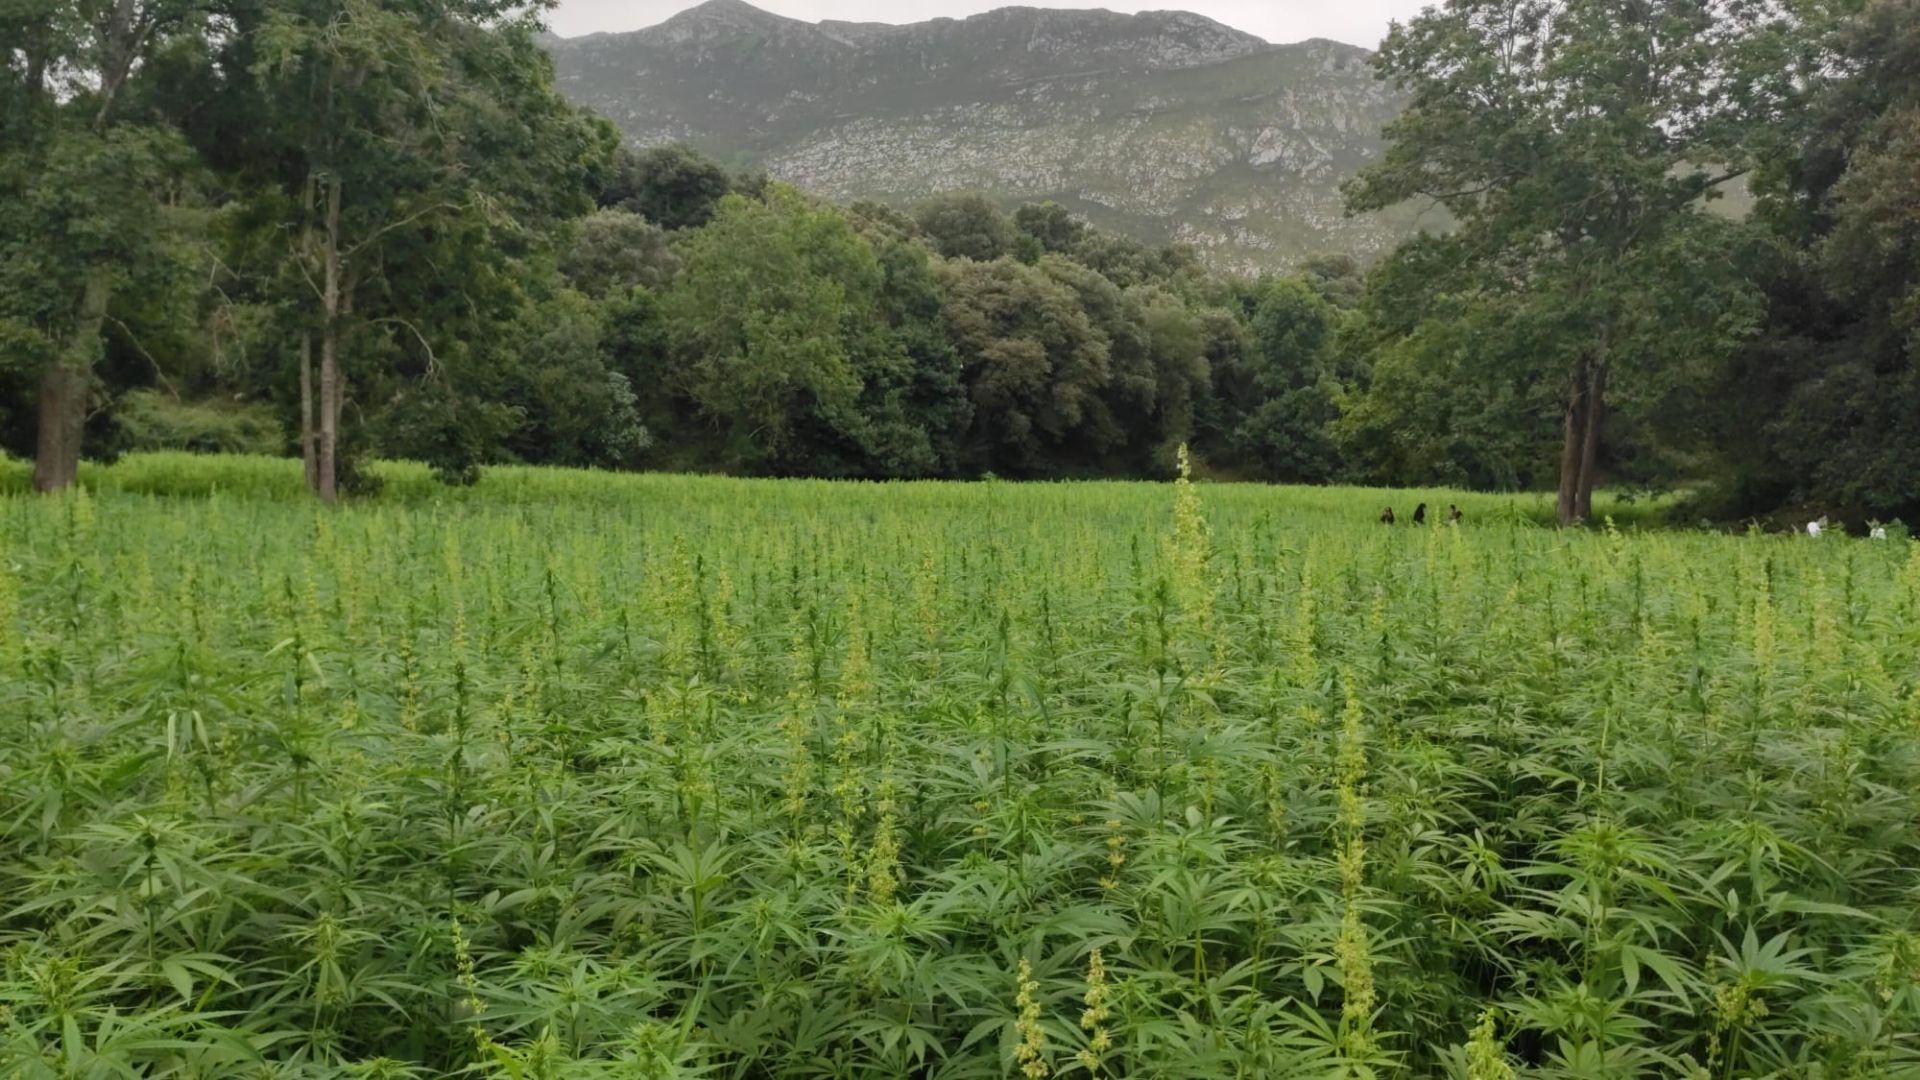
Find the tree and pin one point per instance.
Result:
(1577, 142)
(966, 225)
(878, 221)
(1057, 230)
(1822, 411)
(1177, 340)
(919, 405)
(1219, 410)
(618, 250)
(1289, 356)
(412, 143)
(574, 408)
(1338, 279)
(770, 315)
(812, 348)
(1120, 416)
(1036, 367)
(85, 184)
(672, 186)
(1448, 392)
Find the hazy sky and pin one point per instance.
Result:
(1361, 22)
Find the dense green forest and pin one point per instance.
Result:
(357, 229)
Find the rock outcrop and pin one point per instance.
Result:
(1164, 126)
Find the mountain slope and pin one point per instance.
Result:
(1165, 126)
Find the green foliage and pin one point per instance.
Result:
(1819, 414)
(209, 204)
(618, 249)
(784, 336)
(966, 226)
(431, 422)
(772, 314)
(574, 408)
(405, 164)
(1289, 360)
(1057, 231)
(1448, 394)
(156, 421)
(93, 206)
(1036, 365)
(914, 412)
(573, 774)
(76, 200)
(672, 186)
(1577, 146)
(1433, 413)
(1176, 341)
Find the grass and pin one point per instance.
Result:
(181, 474)
(576, 775)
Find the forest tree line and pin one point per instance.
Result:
(348, 229)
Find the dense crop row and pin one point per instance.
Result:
(663, 777)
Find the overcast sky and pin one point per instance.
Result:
(1361, 22)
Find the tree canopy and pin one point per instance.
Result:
(374, 227)
(1577, 144)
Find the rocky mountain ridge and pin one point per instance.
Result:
(1166, 126)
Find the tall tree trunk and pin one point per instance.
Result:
(63, 390)
(124, 36)
(326, 458)
(56, 458)
(309, 443)
(309, 440)
(36, 73)
(1572, 446)
(65, 383)
(1590, 441)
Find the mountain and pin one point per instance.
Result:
(1165, 126)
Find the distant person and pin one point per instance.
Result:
(1420, 514)
(1386, 516)
(1453, 514)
